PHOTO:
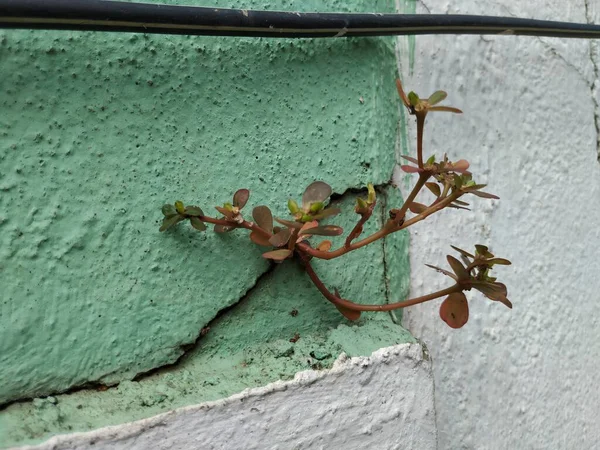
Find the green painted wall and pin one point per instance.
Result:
(97, 131)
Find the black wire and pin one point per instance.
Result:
(100, 15)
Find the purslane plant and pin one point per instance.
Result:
(448, 181)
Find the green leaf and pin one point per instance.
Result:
(436, 97)
(197, 223)
(430, 160)
(168, 222)
(484, 194)
(455, 310)
(500, 261)
(445, 108)
(293, 206)
(168, 210)
(316, 207)
(372, 195)
(413, 98)
(193, 211)
(179, 207)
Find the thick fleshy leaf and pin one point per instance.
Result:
(325, 230)
(484, 194)
(501, 261)
(434, 188)
(417, 208)
(240, 198)
(445, 272)
(324, 246)
(410, 169)
(461, 203)
(454, 310)
(281, 238)
(411, 159)
(445, 108)
(168, 222)
(278, 255)
(474, 187)
(493, 290)
(193, 211)
(401, 93)
(457, 206)
(436, 97)
(289, 223)
(463, 252)
(317, 191)
(169, 210)
(308, 226)
(329, 212)
(223, 229)
(197, 223)
(227, 213)
(483, 251)
(460, 166)
(259, 239)
(458, 268)
(413, 98)
(263, 218)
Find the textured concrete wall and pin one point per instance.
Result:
(525, 378)
(97, 131)
(383, 401)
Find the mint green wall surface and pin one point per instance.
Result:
(97, 131)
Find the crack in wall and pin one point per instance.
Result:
(593, 87)
(186, 350)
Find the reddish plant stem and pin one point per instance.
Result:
(420, 127)
(358, 307)
(358, 228)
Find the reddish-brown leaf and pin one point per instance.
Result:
(411, 159)
(484, 194)
(327, 213)
(324, 246)
(197, 223)
(278, 255)
(445, 272)
(168, 222)
(263, 218)
(260, 239)
(281, 238)
(317, 191)
(223, 229)
(417, 208)
(227, 213)
(410, 169)
(434, 188)
(325, 230)
(458, 268)
(501, 261)
(462, 252)
(240, 198)
(460, 166)
(445, 108)
(455, 310)
(493, 290)
(289, 223)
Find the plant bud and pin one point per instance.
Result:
(293, 206)
(179, 207)
(316, 207)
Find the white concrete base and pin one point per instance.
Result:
(384, 401)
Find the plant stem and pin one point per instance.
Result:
(420, 128)
(358, 307)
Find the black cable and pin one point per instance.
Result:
(100, 15)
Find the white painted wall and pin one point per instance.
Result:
(527, 378)
(384, 401)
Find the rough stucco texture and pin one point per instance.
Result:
(525, 378)
(317, 410)
(97, 131)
